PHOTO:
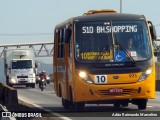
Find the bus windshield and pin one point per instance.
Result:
(112, 41)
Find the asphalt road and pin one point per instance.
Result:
(48, 101)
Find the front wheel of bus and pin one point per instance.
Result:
(66, 103)
(78, 106)
(117, 105)
(125, 104)
(142, 104)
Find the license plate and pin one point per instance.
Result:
(116, 90)
(22, 79)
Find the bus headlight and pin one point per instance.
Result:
(83, 74)
(85, 77)
(145, 75)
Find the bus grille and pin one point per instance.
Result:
(125, 92)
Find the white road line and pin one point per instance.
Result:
(47, 110)
(150, 106)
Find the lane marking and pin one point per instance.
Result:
(47, 110)
(150, 106)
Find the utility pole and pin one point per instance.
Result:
(120, 6)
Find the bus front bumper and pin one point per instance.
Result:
(139, 90)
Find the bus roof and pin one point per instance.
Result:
(109, 16)
(103, 16)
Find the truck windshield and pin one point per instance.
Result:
(22, 64)
(112, 41)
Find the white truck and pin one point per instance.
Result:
(20, 67)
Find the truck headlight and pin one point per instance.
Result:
(13, 80)
(85, 77)
(32, 75)
(145, 75)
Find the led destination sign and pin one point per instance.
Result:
(109, 29)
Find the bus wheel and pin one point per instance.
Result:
(117, 105)
(142, 104)
(78, 106)
(59, 92)
(125, 104)
(65, 103)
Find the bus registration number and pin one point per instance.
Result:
(100, 79)
(116, 90)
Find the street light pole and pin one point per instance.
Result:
(120, 6)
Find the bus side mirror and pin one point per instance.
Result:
(152, 31)
(68, 33)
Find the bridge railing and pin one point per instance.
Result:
(41, 49)
(8, 95)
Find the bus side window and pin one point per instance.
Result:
(70, 48)
(62, 44)
(59, 44)
(68, 39)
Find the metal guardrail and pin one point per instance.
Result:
(8, 95)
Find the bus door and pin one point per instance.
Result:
(63, 64)
(60, 71)
(68, 60)
(55, 61)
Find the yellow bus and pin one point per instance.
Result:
(93, 63)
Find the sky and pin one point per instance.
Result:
(27, 21)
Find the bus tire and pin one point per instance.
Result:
(78, 106)
(59, 91)
(66, 103)
(142, 104)
(117, 105)
(125, 104)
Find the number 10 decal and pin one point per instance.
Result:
(99, 79)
